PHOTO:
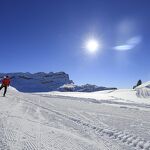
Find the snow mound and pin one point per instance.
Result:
(13, 89)
(143, 91)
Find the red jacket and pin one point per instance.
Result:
(6, 82)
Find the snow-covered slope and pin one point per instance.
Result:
(38, 82)
(46, 122)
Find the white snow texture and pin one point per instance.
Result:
(107, 120)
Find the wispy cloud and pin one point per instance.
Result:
(130, 44)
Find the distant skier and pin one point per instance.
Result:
(5, 84)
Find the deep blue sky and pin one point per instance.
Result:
(48, 35)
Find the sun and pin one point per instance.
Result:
(92, 45)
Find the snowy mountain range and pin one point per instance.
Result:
(83, 88)
(38, 82)
(45, 82)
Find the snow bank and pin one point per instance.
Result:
(143, 91)
(127, 96)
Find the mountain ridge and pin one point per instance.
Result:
(46, 82)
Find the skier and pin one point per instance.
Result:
(5, 84)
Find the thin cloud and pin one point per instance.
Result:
(130, 44)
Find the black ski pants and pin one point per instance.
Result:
(5, 89)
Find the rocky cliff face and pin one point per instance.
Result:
(38, 82)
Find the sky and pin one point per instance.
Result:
(52, 36)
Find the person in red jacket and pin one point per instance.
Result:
(5, 84)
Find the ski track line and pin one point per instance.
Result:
(125, 137)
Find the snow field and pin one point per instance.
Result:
(45, 122)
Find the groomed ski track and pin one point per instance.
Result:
(36, 122)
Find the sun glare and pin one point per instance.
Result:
(92, 45)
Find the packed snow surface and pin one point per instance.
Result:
(108, 120)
